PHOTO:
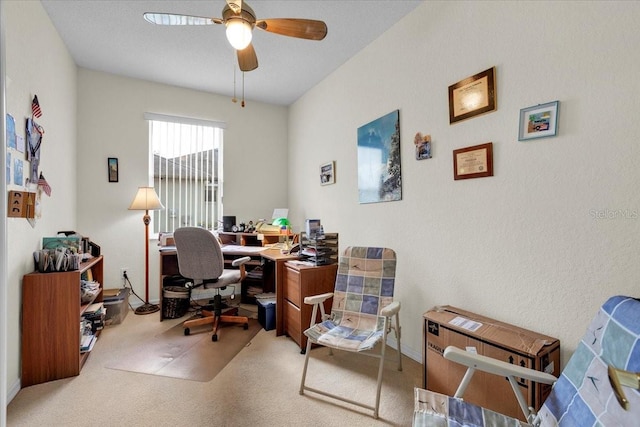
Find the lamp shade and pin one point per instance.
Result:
(146, 200)
(238, 33)
(282, 222)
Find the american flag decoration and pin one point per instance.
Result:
(35, 107)
(42, 183)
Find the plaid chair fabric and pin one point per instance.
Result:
(438, 410)
(361, 314)
(583, 395)
(364, 286)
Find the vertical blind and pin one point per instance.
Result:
(187, 171)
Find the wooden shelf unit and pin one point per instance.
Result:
(51, 313)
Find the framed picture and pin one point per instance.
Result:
(539, 121)
(423, 146)
(473, 162)
(328, 173)
(112, 167)
(379, 169)
(472, 96)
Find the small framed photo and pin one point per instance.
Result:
(540, 121)
(472, 96)
(328, 173)
(112, 168)
(473, 162)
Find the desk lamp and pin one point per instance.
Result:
(146, 199)
(285, 227)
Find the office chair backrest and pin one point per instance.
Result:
(364, 286)
(199, 254)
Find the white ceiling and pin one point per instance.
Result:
(112, 36)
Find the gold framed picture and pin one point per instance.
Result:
(472, 96)
(473, 162)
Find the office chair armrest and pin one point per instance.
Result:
(391, 309)
(317, 299)
(495, 366)
(240, 261)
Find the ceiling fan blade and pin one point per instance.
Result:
(235, 5)
(247, 59)
(175, 19)
(301, 28)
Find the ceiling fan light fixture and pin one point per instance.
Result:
(239, 33)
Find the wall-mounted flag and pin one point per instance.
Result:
(35, 107)
(42, 183)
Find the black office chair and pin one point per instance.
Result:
(200, 259)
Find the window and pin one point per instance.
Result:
(187, 171)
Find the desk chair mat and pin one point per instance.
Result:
(193, 357)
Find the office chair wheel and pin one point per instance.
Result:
(245, 326)
(187, 331)
(214, 337)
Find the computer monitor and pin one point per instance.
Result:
(280, 213)
(228, 222)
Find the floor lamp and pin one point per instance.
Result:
(146, 199)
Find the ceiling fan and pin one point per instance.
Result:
(240, 20)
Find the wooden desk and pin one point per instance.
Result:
(279, 259)
(169, 266)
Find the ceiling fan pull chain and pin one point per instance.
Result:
(234, 99)
(243, 89)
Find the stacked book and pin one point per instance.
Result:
(87, 342)
(95, 315)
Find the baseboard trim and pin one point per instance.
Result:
(13, 391)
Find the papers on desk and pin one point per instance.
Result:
(241, 250)
(302, 262)
(227, 249)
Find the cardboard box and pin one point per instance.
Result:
(446, 325)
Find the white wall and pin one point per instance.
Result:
(37, 62)
(523, 246)
(111, 124)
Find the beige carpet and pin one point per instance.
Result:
(259, 387)
(194, 357)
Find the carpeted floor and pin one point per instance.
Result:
(258, 387)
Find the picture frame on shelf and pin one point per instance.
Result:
(328, 173)
(112, 169)
(473, 96)
(539, 121)
(473, 162)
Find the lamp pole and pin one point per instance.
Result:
(146, 199)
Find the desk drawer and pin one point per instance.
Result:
(292, 286)
(292, 325)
